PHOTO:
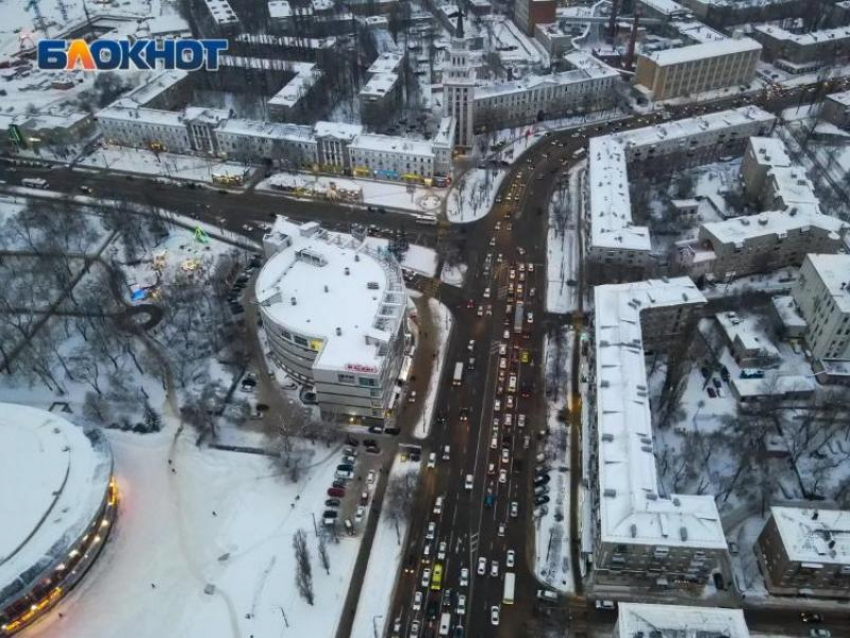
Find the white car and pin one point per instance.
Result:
(446, 452)
(482, 566)
(438, 505)
(510, 559)
(426, 577)
(506, 334)
(464, 577)
(501, 530)
(497, 405)
(468, 482)
(503, 349)
(530, 267)
(370, 477)
(471, 345)
(417, 601)
(514, 509)
(414, 629)
(494, 615)
(503, 363)
(494, 442)
(432, 531)
(509, 402)
(487, 292)
(461, 605)
(506, 455)
(480, 311)
(520, 421)
(441, 550)
(530, 317)
(411, 398)
(432, 460)
(503, 476)
(494, 568)
(359, 514)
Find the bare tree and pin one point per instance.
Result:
(323, 554)
(303, 569)
(399, 499)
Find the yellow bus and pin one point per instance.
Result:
(437, 578)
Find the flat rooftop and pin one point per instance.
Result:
(632, 508)
(679, 621)
(803, 39)
(834, 272)
(770, 151)
(54, 477)
(812, 535)
(778, 222)
(842, 98)
(337, 284)
(390, 143)
(703, 51)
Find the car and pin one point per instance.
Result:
(733, 548)
(417, 601)
(397, 625)
(370, 477)
(494, 443)
(491, 469)
(494, 615)
(376, 429)
(330, 514)
(426, 577)
(820, 633)
(411, 398)
(461, 605)
(494, 568)
(441, 550)
(432, 460)
(426, 553)
(500, 531)
(480, 311)
(468, 482)
(503, 476)
(446, 451)
(716, 383)
(374, 449)
(510, 558)
(392, 431)
(487, 292)
(530, 267)
(506, 334)
(464, 577)
(339, 483)
(541, 489)
(463, 414)
(85, 190)
(471, 345)
(364, 498)
(547, 595)
(497, 405)
(432, 531)
(530, 317)
(503, 348)
(349, 459)
(359, 513)
(352, 443)
(414, 627)
(482, 566)
(809, 617)
(540, 512)
(370, 442)
(345, 467)
(438, 505)
(541, 500)
(514, 509)
(608, 605)
(332, 502)
(432, 610)
(345, 475)
(506, 455)
(448, 598)
(711, 392)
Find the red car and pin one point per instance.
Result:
(336, 491)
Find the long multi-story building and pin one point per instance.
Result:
(640, 620)
(822, 293)
(613, 238)
(351, 356)
(390, 157)
(642, 537)
(697, 68)
(827, 45)
(836, 108)
(806, 551)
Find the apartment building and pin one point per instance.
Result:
(352, 357)
(697, 68)
(381, 95)
(529, 13)
(836, 108)
(804, 550)
(822, 293)
(827, 45)
(640, 620)
(388, 157)
(721, 13)
(642, 537)
(762, 154)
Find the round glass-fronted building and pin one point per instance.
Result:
(57, 506)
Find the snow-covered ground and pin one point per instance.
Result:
(562, 247)
(204, 547)
(419, 259)
(443, 322)
(166, 165)
(552, 531)
(376, 596)
(453, 275)
(472, 195)
(391, 195)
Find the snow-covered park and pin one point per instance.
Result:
(472, 195)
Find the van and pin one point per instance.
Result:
(545, 594)
(445, 623)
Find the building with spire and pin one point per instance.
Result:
(459, 87)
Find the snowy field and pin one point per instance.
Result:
(562, 247)
(165, 165)
(382, 571)
(391, 195)
(443, 322)
(420, 259)
(207, 550)
(472, 195)
(552, 531)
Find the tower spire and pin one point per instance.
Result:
(459, 29)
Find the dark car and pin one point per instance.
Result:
(517, 468)
(332, 502)
(392, 431)
(373, 449)
(542, 479)
(370, 443)
(330, 514)
(339, 483)
(711, 392)
(541, 500)
(352, 441)
(542, 469)
(809, 617)
(463, 414)
(724, 373)
(718, 581)
(345, 467)
(376, 429)
(716, 383)
(705, 372)
(336, 491)
(432, 610)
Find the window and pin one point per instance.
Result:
(368, 382)
(345, 378)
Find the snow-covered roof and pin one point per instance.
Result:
(702, 51)
(149, 116)
(610, 205)
(813, 535)
(631, 506)
(594, 67)
(387, 62)
(221, 12)
(803, 39)
(271, 130)
(773, 384)
(166, 24)
(337, 284)
(842, 98)
(279, 9)
(788, 312)
(328, 42)
(146, 92)
(777, 222)
(665, 7)
(745, 329)
(770, 151)
(698, 32)
(379, 85)
(391, 144)
(338, 130)
(444, 137)
(834, 272)
(55, 477)
(792, 187)
(679, 621)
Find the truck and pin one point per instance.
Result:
(458, 375)
(510, 586)
(35, 182)
(519, 316)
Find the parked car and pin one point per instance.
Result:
(336, 491)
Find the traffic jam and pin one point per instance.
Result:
(440, 603)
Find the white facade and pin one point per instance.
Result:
(822, 293)
(334, 311)
(391, 157)
(642, 535)
(459, 92)
(836, 108)
(668, 621)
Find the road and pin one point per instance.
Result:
(469, 422)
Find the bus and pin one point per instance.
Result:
(426, 220)
(437, 578)
(445, 623)
(519, 317)
(510, 585)
(458, 375)
(35, 182)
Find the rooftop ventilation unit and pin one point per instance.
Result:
(293, 301)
